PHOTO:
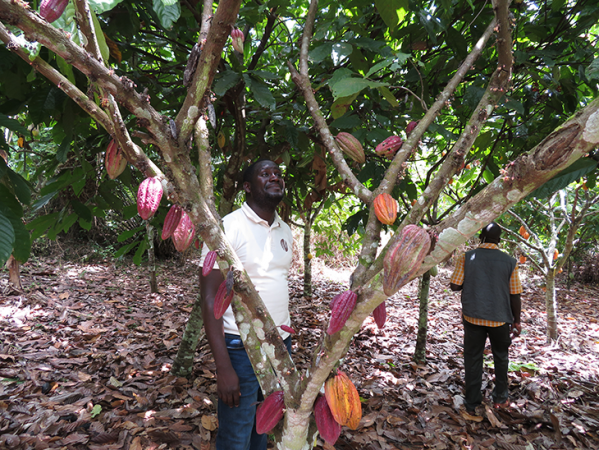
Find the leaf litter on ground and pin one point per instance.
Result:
(86, 349)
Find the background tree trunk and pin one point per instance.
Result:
(307, 257)
(420, 350)
(183, 364)
(551, 306)
(13, 272)
(151, 259)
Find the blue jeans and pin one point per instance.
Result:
(237, 426)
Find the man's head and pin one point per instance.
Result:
(263, 183)
(491, 234)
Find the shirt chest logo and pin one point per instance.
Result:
(284, 245)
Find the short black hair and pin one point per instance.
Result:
(248, 173)
(491, 233)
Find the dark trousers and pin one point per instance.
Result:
(475, 338)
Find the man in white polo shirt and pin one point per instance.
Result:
(263, 243)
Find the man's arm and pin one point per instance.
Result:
(516, 305)
(227, 382)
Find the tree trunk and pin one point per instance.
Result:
(307, 258)
(183, 364)
(13, 272)
(151, 259)
(420, 351)
(551, 306)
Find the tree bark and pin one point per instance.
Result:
(551, 306)
(151, 258)
(307, 257)
(13, 272)
(420, 351)
(183, 364)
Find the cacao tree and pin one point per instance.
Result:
(480, 80)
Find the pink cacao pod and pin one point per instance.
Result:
(171, 221)
(149, 195)
(114, 160)
(411, 127)
(208, 263)
(222, 300)
(388, 147)
(269, 412)
(404, 258)
(341, 307)
(328, 428)
(385, 208)
(52, 9)
(184, 233)
(288, 329)
(351, 146)
(380, 315)
(237, 38)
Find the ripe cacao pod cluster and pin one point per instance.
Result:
(51, 10)
(385, 208)
(149, 195)
(269, 412)
(343, 400)
(342, 306)
(523, 232)
(351, 146)
(327, 426)
(389, 147)
(237, 38)
(184, 234)
(404, 258)
(114, 161)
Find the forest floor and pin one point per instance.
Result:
(85, 352)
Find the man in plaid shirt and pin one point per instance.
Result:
(491, 288)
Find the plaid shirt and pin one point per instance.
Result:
(458, 278)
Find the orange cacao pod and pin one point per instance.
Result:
(342, 306)
(269, 412)
(525, 234)
(555, 254)
(52, 9)
(380, 315)
(184, 233)
(171, 221)
(351, 146)
(237, 38)
(328, 428)
(385, 208)
(404, 258)
(208, 263)
(389, 146)
(149, 195)
(522, 259)
(343, 400)
(411, 127)
(114, 161)
(222, 300)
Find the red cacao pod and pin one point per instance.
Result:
(222, 300)
(208, 263)
(380, 315)
(389, 146)
(411, 127)
(114, 161)
(385, 208)
(52, 9)
(184, 233)
(269, 412)
(404, 258)
(149, 195)
(343, 400)
(341, 307)
(351, 146)
(237, 38)
(328, 428)
(288, 329)
(171, 221)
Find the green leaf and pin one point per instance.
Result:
(592, 72)
(8, 200)
(129, 234)
(575, 171)
(96, 410)
(22, 245)
(168, 14)
(346, 122)
(386, 92)
(140, 252)
(7, 238)
(20, 186)
(104, 50)
(85, 224)
(101, 6)
(351, 86)
(66, 69)
(81, 210)
(380, 65)
(41, 224)
(262, 94)
(68, 222)
(320, 53)
(392, 11)
(341, 105)
(226, 82)
(515, 105)
(12, 124)
(125, 249)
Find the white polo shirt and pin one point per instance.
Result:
(266, 253)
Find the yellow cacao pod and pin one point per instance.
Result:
(343, 400)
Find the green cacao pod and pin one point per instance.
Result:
(404, 258)
(327, 426)
(434, 271)
(351, 146)
(149, 195)
(380, 315)
(269, 412)
(184, 233)
(385, 208)
(343, 400)
(171, 221)
(222, 300)
(342, 306)
(52, 9)
(389, 147)
(114, 161)
(208, 263)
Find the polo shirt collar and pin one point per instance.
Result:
(489, 245)
(251, 214)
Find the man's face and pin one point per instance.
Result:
(267, 185)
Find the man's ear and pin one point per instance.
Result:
(247, 187)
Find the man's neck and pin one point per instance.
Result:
(265, 212)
